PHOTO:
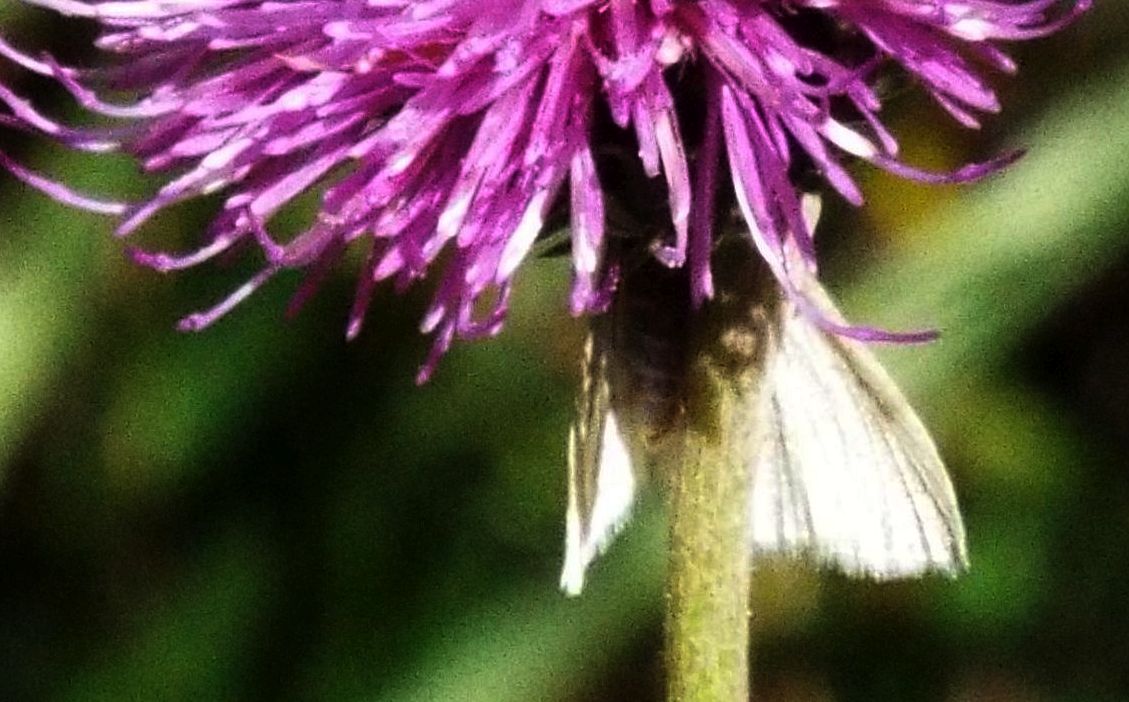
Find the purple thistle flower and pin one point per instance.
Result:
(443, 133)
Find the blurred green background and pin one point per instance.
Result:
(262, 511)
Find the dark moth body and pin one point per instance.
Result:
(644, 338)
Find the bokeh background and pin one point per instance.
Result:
(264, 512)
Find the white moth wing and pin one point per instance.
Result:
(844, 470)
(601, 479)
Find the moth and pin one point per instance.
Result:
(843, 471)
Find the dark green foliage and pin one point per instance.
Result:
(264, 512)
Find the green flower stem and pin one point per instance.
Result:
(707, 618)
(707, 624)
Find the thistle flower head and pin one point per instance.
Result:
(443, 134)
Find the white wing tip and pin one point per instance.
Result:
(615, 493)
(576, 559)
(882, 565)
(572, 575)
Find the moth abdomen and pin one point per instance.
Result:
(647, 332)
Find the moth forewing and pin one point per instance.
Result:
(601, 477)
(844, 469)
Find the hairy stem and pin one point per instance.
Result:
(707, 619)
(709, 571)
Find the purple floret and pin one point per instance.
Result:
(442, 134)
